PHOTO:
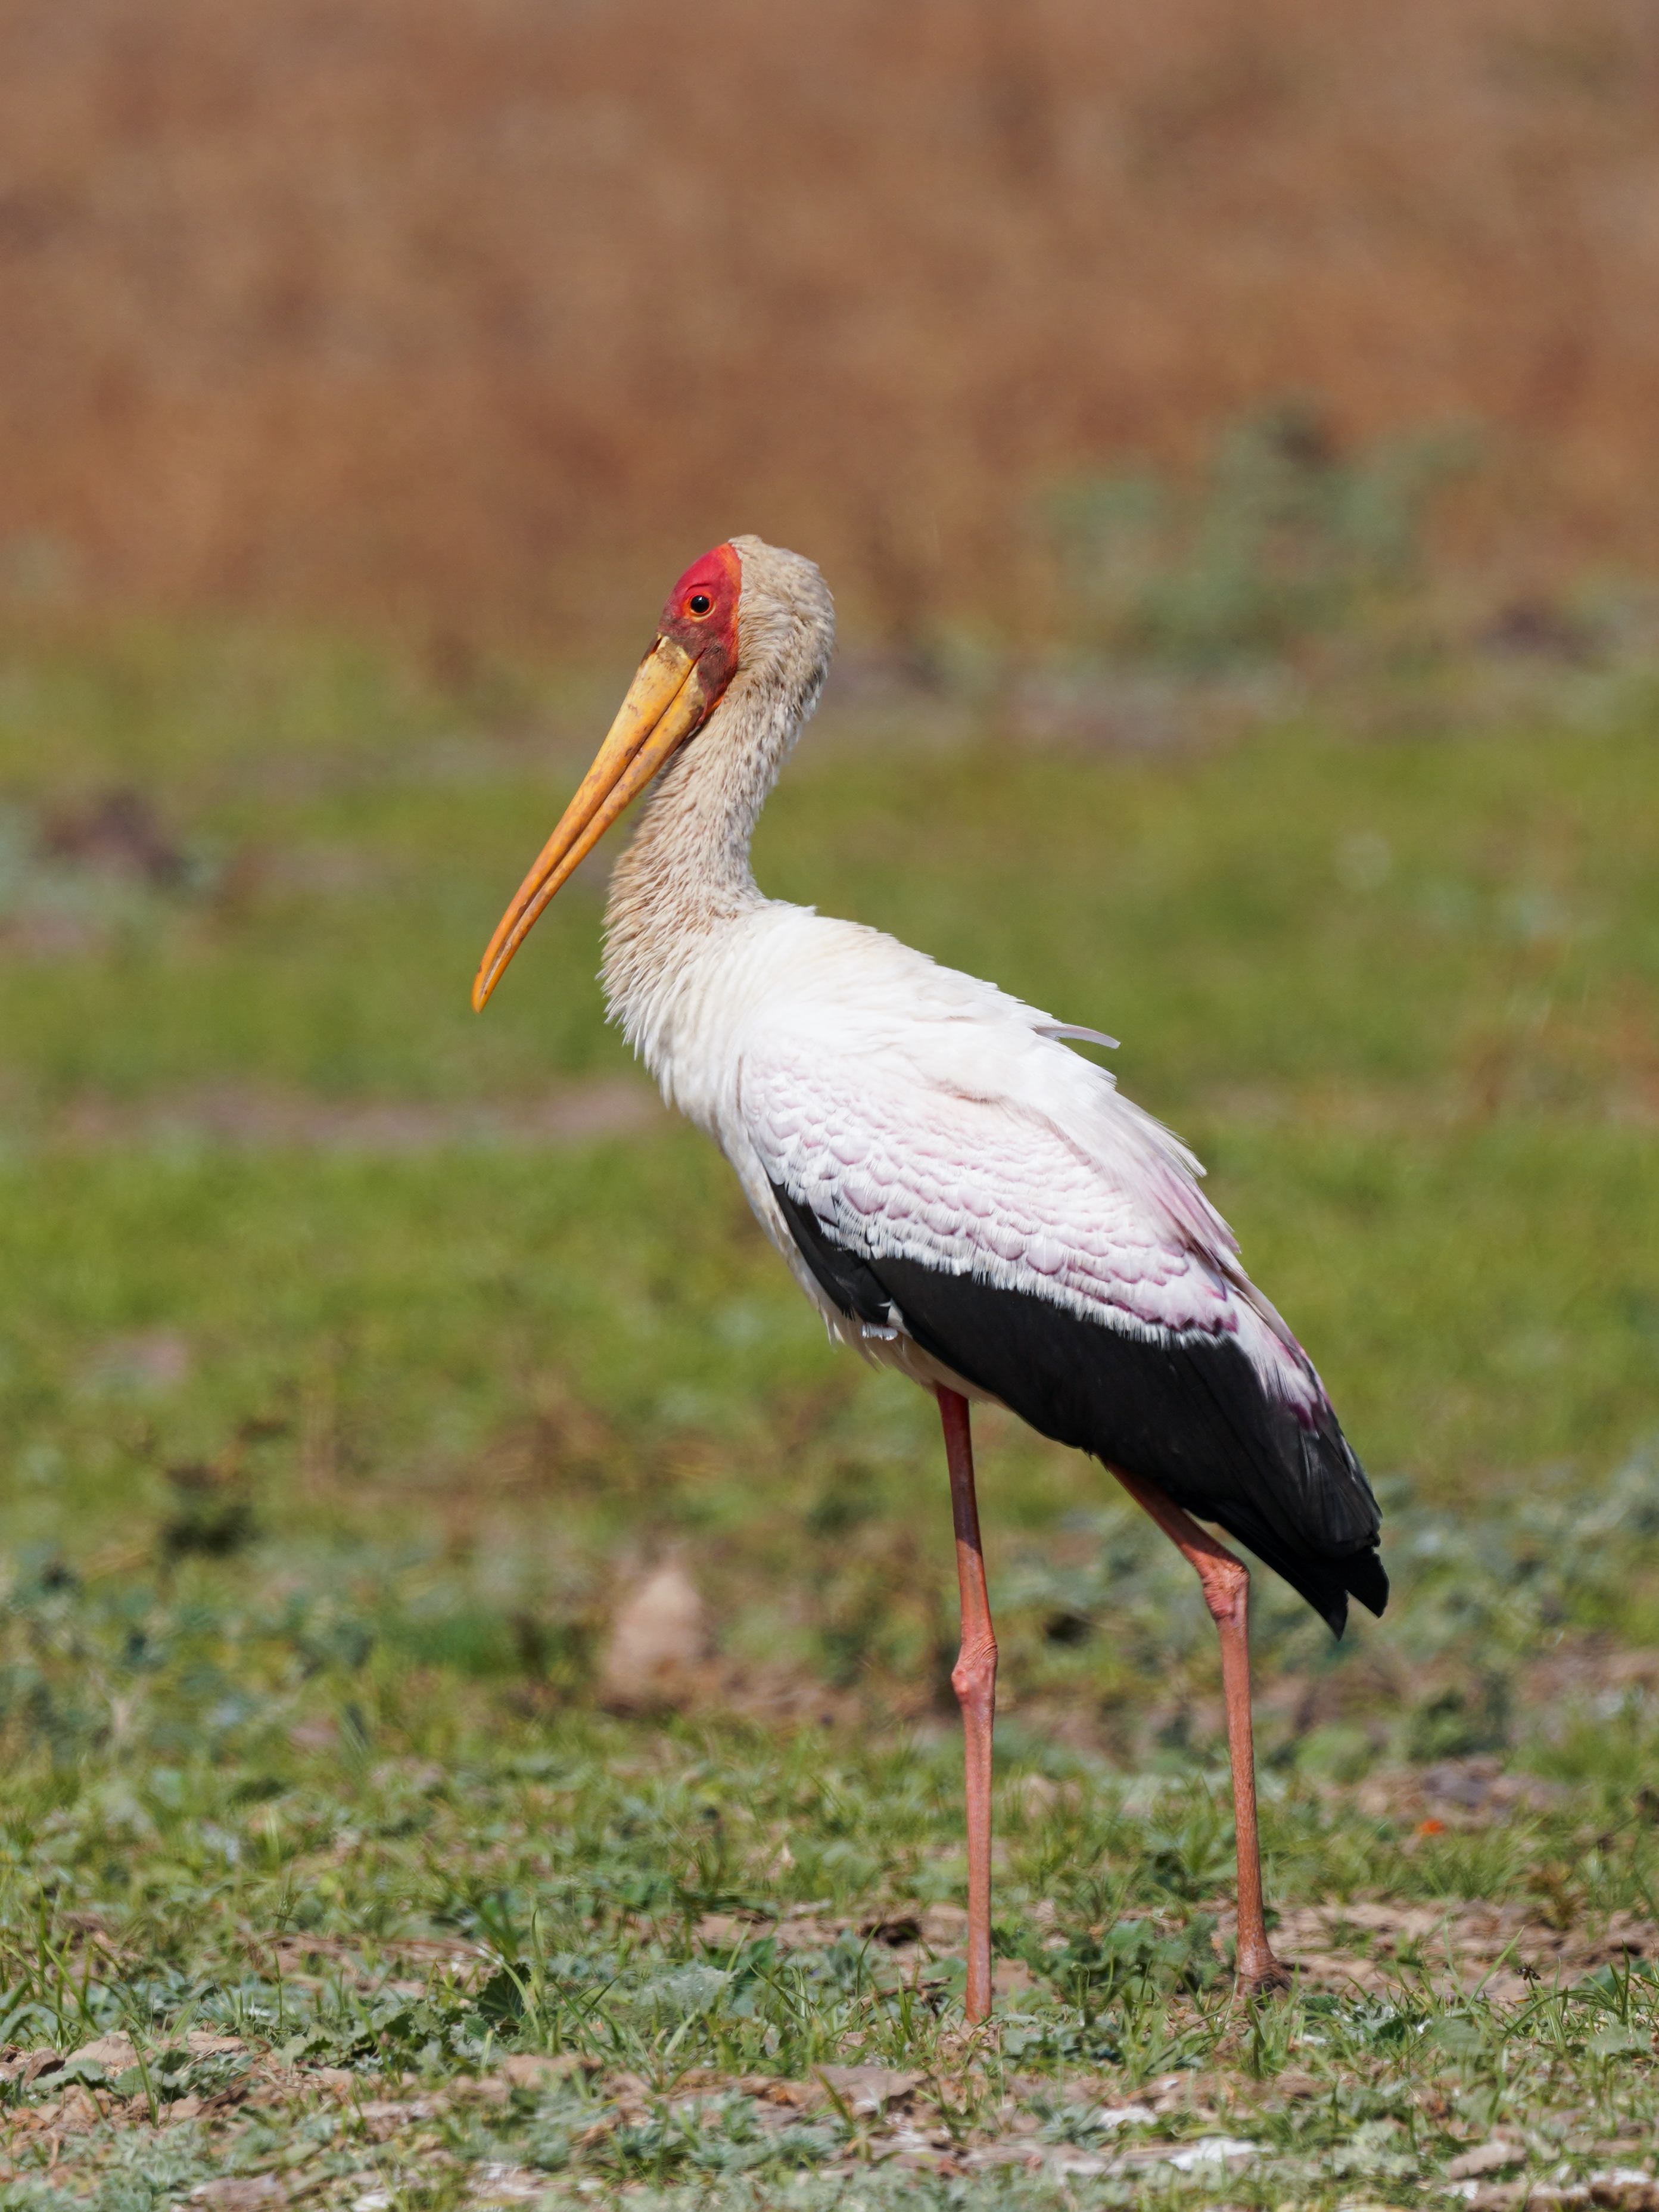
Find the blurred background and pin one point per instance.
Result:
(476, 318)
(1228, 431)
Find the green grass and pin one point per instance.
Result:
(325, 1458)
(198, 1866)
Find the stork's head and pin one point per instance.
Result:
(747, 624)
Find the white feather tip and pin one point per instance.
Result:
(1072, 1030)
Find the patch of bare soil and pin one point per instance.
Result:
(936, 2122)
(309, 1961)
(248, 1117)
(1506, 1950)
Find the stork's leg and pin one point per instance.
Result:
(1227, 1585)
(974, 1678)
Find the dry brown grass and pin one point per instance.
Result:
(479, 314)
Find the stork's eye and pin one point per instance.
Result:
(699, 603)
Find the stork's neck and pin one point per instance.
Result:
(685, 884)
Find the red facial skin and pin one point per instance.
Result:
(710, 635)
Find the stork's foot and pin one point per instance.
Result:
(1262, 1975)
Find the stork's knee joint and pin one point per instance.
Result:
(1227, 1585)
(975, 1674)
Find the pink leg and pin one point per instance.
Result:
(1226, 1584)
(974, 1678)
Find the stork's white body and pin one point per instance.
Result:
(927, 1114)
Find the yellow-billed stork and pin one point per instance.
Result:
(959, 1195)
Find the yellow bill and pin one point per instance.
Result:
(665, 702)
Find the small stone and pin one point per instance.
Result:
(1293, 2083)
(626, 2088)
(529, 2070)
(868, 2088)
(240, 2192)
(656, 1637)
(1484, 2158)
(78, 2114)
(1210, 2150)
(802, 2096)
(1625, 2188)
(117, 2053)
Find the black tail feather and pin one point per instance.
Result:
(1325, 1581)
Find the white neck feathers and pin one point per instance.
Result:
(686, 880)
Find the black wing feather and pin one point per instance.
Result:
(1187, 1413)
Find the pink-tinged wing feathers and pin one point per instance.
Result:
(1096, 1210)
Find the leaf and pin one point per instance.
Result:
(501, 2000)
